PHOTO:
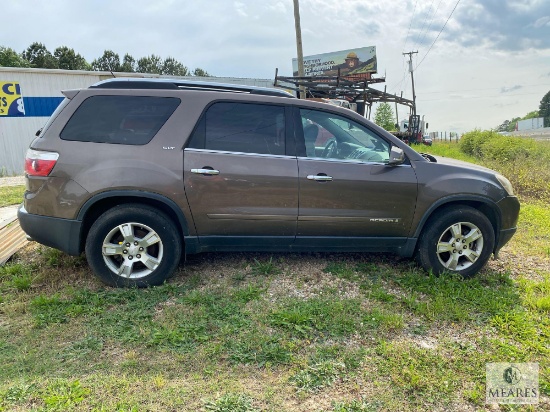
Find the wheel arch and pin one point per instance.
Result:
(104, 201)
(484, 205)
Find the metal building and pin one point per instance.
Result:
(29, 96)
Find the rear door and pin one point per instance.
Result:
(346, 188)
(241, 176)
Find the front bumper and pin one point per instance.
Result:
(62, 234)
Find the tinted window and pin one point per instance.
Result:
(330, 136)
(245, 127)
(132, 120)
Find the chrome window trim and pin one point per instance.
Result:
(188, 149)
(349, 161)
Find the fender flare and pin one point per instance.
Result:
(128, 194)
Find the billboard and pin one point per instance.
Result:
(11, 101)
(358, 63)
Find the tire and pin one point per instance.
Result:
(145, 246)
(456, 240)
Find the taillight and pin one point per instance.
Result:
(38, 163)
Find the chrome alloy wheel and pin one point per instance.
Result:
(460, 246)
(132, 250)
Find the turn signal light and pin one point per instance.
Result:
(39, 163)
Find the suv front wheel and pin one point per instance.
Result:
(133, 245)
(457, 240)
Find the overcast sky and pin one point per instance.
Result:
(490, 63)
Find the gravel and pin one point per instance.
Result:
(12, 181)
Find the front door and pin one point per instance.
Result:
(346, 187)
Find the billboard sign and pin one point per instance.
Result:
(11, 101)
(356, 63)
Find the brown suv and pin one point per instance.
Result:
(137, 172)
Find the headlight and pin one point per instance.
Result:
(505, 184)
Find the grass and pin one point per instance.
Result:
(260, 332)
(11, 195)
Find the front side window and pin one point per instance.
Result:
(330, 136)
(131, 120)
(242, 127)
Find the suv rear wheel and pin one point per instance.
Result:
(133, 245)
(457, 240)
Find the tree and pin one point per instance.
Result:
(384, 117)
(173, 67)
(10, 58)
(38, 56)
(152, 64)
(109, 62)
(128, 64)
(200, 73)
(544, 109)
(69, 60)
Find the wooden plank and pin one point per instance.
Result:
(12, 239)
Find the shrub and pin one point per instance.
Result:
(524, 161)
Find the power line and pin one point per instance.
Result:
(488, 88)
(410, 24)
(424, 25)
(430, 23)
(448, 18)
(478, 97)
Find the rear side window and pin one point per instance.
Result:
(242, 127)
(131, 120)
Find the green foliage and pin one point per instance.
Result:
(10, 58)
(69, 60)
(231, 402)
(64, 395)
(318, 375)
(357, 405)
(11, 195)
(200, 72)
(523, 161)
(384, 117)
(110, 61)
(38, 56)
(267, 268)
(544, 109)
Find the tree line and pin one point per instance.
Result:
(543, 111)
(63, 57)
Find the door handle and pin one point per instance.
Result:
(205, 171)
(320, 178)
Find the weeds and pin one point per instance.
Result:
(231, 402)
(268, 268)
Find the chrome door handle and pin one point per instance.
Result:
(320, 178)
(205, 171)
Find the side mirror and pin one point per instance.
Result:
(397, 156)
(427, 125)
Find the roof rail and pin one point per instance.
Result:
(175, 84)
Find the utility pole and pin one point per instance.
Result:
(299, 45)
(412, 78)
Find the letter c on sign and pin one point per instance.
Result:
(6, 88)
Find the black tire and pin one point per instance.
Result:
(146, 246)
(450, 242)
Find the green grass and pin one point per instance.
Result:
(260, 332)
(11, 195)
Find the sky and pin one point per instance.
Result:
(479, 62)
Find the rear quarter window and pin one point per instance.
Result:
(130, 120)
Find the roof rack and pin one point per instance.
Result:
(175, 84)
